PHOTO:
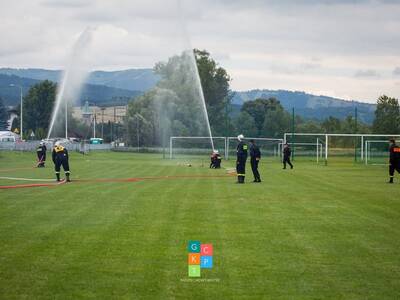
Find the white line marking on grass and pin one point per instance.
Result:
(26, 179)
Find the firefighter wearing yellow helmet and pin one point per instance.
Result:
(60, 158)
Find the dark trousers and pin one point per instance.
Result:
(41, 157)
(241, 169)
(394, 166)
(64, 163)
(286, 159)
(254, 168)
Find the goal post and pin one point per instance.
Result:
(269, 146)
(191, 145)
(377, 152)
(360, 143)
(303, 149)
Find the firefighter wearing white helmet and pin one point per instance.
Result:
(241, 154)
(60, 158)
(41, 155)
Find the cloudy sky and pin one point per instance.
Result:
(343, 48)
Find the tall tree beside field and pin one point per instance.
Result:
(387, 116)
(38, 106)
(3, 116)
(215, 83)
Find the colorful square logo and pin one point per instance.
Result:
(194, 259)
(194, 247)
(194, 271)
(200, 256)
(206, 262)
(206, 249)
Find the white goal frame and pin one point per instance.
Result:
(228, 139)
(318, 146)
(173, 138)
(367, 148)
(327, 135)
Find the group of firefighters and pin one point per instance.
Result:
(60, 158)
(255, 156)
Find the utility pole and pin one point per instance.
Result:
(66, 120)
(94, 125)
(293, 136)
(102, 122)
(114, 124)
(355, 131)
(137, 133)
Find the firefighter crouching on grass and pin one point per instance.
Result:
(394, 161)
(60, 158)
(241, 153)
(41, 155)
(215, 160)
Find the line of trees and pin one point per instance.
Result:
(172, 108)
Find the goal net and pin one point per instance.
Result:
(377, 152)
(311, 150)
(269, 147)
(192, 146)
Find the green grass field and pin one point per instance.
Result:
(315, 232)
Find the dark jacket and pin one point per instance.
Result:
(287, 152)
(394, 153)
(241, 151)
(42, 149)
(59, 154)
(255, 152)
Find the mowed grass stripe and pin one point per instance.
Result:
(314, 232)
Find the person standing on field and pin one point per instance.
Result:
(255, 156)
(286, 156)
(394, 160)
(60, 158)
(241, 157)
(41, 155)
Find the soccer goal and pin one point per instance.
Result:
(268, 146)
(377, 152)
(306, 149)
(341, 145)
(180, 146)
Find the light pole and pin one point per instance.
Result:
(20, 125)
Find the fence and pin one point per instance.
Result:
(32, 145)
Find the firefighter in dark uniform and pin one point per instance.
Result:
(215, 160)
(286, 156)
(241, 153)
(255, 156)
(60, 158)
(394, 160)
(41, 155)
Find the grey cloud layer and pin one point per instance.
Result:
(336, 47)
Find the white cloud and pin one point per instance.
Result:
(299, 45)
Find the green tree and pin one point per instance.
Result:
(276, 121)
(38, 106)
(3, 116)
(215, 83)
(387, 116)
(174, 106)
(269, 116)
(245, 125)
(331, 125)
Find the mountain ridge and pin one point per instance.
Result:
(110, 86)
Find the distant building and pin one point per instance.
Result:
(102, 114)
(8, 136)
